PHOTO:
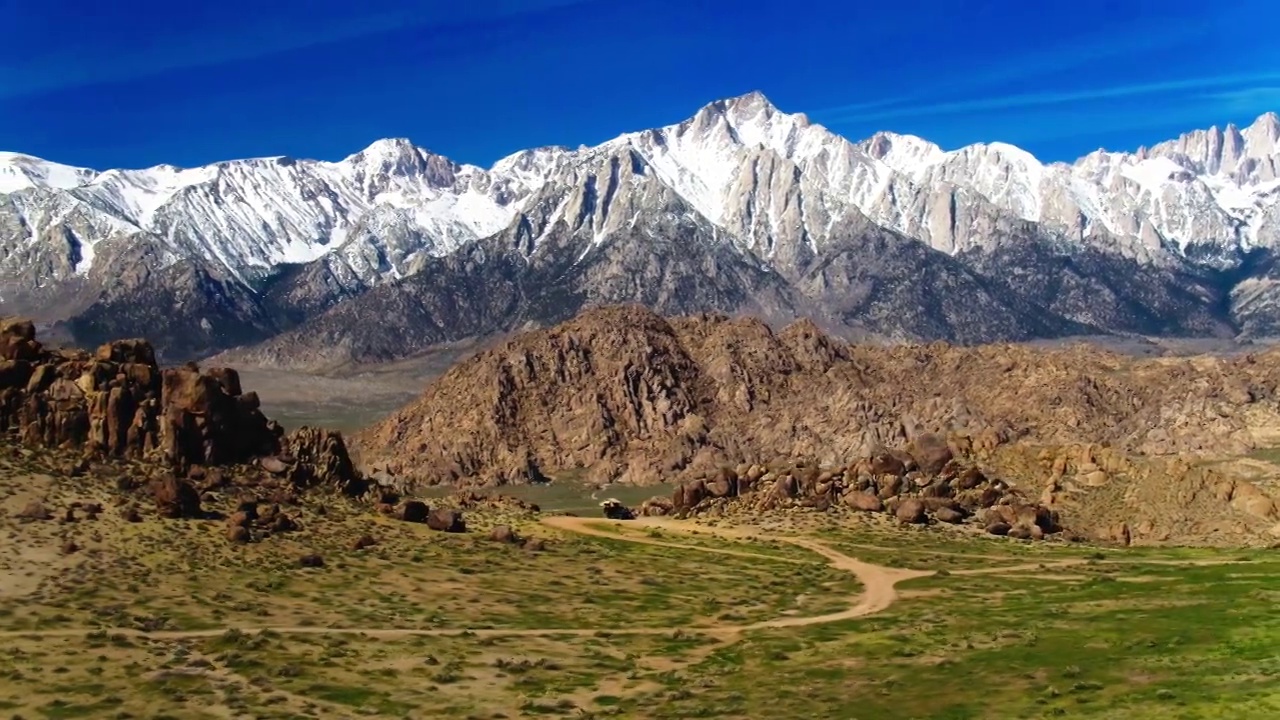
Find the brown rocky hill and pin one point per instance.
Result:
(620, 394)
(631, 397)
(118, 404)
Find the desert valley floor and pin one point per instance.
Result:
(804, 615)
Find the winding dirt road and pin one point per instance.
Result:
(879, 587)
(878, 592)
(878, 582)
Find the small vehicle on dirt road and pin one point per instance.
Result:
(615, 510)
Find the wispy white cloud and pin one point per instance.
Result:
(1253, 82)
(36, 75)
(1037, 64)
(1247, 100)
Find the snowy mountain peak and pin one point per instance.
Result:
(20, 172)
(398, 163)
(1266, 127)
(907, 154)
(765, 178)
(386, 148)
(1245, 156)
(740, 106)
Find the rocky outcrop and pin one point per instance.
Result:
(620, 394)
(1098, 490)
(118, 403)
(953, 494)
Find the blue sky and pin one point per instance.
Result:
(136, 83)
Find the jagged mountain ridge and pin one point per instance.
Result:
(277, 243)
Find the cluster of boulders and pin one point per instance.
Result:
(117, 402)
(249, 523)
(450, 518)
(921, 484)
(75, 512)
(417, 511)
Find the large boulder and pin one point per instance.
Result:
(413, 511)
(969, 479)
(175, 498)
(34, 510)
(863, 501)
(504, 534)
(931, 452)
(886, 464)
(911, 511)
(889, 485)
(135, 351)
(443, 520)
(949, 515)
(321, 459)
(18, 340)
(688, 495)
(657, 506)
(723, 484)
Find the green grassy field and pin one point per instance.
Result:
(168, 620)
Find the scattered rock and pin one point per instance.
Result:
(1097, 478)
(283, 524)
(69, 547)
(311, 561)
(175, 498)
(414, 511)
(1019, 532)
(446, 521)
(998, 528)
(34, 510)
(238, 534)
(273, 465)
(504, 534)
(364, 541)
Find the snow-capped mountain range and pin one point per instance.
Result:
(249, 249)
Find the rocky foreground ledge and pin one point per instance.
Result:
(185, 425)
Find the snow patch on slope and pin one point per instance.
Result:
(1152, 175)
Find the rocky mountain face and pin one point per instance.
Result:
(620, 394)
(634, 397)
(741, 208)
